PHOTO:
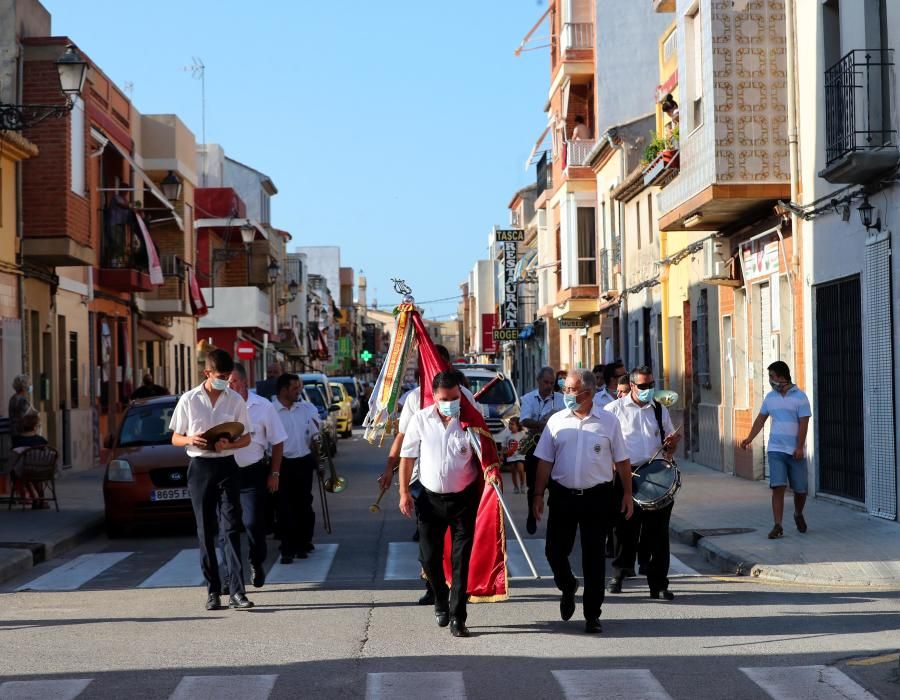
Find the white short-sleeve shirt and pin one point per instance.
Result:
(300, 422)
(786, 412)
(640, 428)
(583, 450)
(195, 414)
(265, 429)
(536, 408)
(602, 398)
(444, 453)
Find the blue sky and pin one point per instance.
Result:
(397, 130)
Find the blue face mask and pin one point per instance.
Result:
(560, 382)
(644, 395)
(218, 384)
(450, 409)
(570, 401)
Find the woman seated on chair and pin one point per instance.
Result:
(20, 443)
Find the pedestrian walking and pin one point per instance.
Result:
(579, 452)
(213, 474)
(789, 408)
(537, 407)
(648, 432)
(451, 490)
(259, 472)
(296, 517)
(512, 440)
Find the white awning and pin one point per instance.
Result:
(528, 37)
(146, 178)
(232, 223)
(537, 146)
(567, 88)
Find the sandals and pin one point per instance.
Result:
(776, 532)
(800, 522)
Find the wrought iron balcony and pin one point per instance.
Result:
(577, 35)
(544, 173)
(859, 140)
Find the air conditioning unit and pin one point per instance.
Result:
(715, 260)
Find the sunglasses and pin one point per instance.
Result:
(648, 385)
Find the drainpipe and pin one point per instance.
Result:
(793, 145)
(620, 207)
(20, 225)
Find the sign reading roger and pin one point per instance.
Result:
(503, 334)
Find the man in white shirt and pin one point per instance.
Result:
(578, 454)
(213, 474)
(648, 433)
(256, 472)
(537, 407)
(451, 490)
(609, 392)
(296, 518)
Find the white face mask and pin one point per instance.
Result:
(450, 409)
(218, 384)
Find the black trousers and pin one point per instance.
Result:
(590, 513)
(296, 518)
(436, 512)
(254, 508)
(647, 538)
(215, 497)
(531, 464)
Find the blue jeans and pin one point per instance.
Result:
(784, 470)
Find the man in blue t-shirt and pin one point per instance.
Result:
(790, 412)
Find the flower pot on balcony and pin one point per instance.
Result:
(668, 154)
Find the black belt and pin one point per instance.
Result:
(581, 492)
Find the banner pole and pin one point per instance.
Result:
(515, 530)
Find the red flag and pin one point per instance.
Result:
(487, 565)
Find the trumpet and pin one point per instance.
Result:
(374, 508)
(329, 480)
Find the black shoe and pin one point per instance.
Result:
(213, 602)
(665, 594)
(239, 601)
(443, 618)
(309, 547)
(428, 598)
(458, 629)
(567, 604)
(257, 575)
(286, 559)
(615, 585)
(592, 625)
(530, 524)
(302, 555)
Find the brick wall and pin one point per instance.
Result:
(50, 208)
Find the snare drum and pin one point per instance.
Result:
(655, 483)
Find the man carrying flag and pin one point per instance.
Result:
(451, 489)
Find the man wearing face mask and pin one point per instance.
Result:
(789, 408)
(648, 431)
(213, 476)
(449, 497)
(579, 453)
(537, 407)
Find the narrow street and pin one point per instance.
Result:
(125, 618)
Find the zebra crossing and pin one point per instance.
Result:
(182, 570)
(778, 683)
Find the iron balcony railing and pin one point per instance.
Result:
(858, 103)
(578, 35)
(172, 265)
(577, 152)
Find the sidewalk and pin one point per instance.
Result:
(28, 537)
(843, 546)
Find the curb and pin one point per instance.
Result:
(730, 562)
(23, 556)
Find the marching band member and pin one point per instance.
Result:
(450, 493)
(296, 516)
(213, 474)
(537, 407)
(647, 429)
(578, 453)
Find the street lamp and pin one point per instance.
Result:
(171, 186)
(72, 71)
(293, 288)
(248, 234)
(866, 213)
(273, 269)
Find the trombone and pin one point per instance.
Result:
(329, 480)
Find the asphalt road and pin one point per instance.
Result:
(125, 619)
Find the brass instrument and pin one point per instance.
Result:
(374, 508)
(329, 480)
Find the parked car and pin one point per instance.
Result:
(345, 414)
(146, 477)
(329, 420)
(500, 402)
(354, 388)
(323, 383)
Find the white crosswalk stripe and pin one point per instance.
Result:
(224, 688)
(807, 683)
(65, 689)
(402, 562)
(615, 684)
(434, 685)
(180, 571)
(75, 573)
(312, 570)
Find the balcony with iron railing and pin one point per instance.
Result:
(577, 152)
(575, 42)
(124, 259)
(544, 173)
(860, 142)
(170, 298)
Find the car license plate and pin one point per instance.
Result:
(170, 494)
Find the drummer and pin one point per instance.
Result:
(648, 432)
